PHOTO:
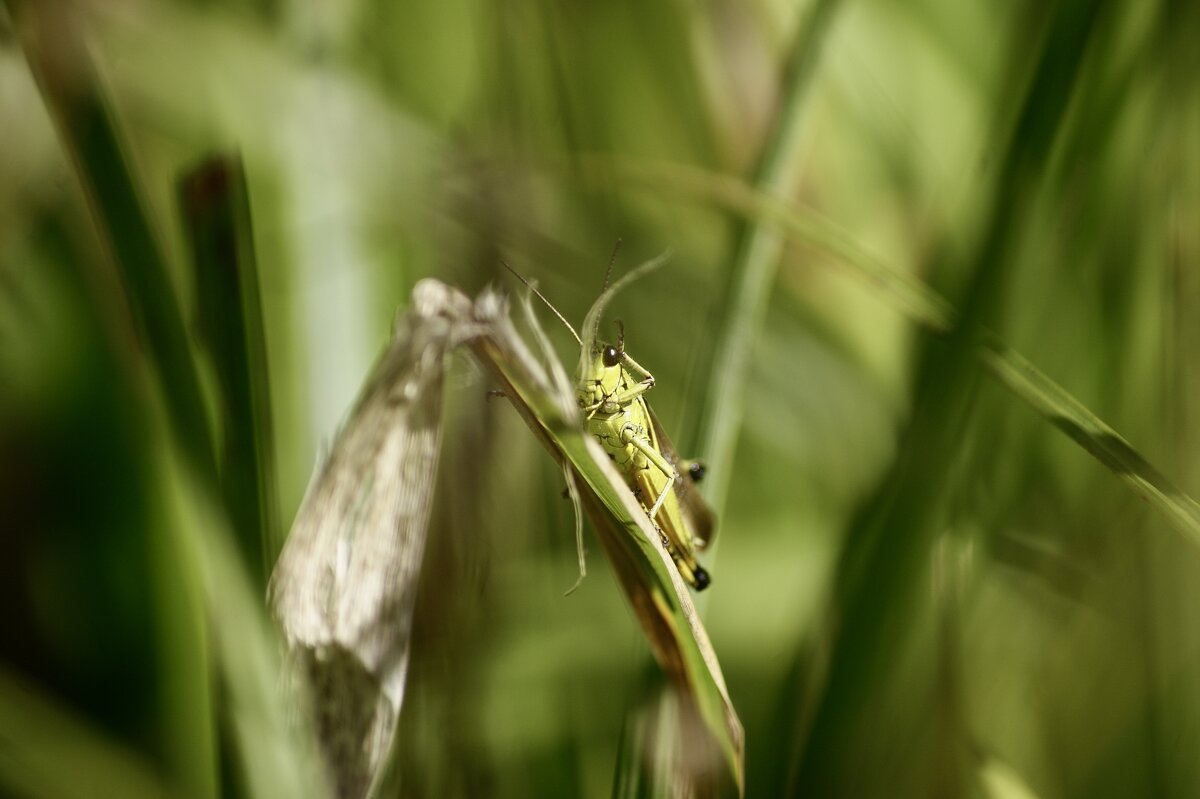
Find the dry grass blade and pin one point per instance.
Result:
(344, 586)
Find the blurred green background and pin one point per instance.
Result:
(921, 586)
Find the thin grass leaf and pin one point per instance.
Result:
(58, 54)
(58, 58)
(270, 757)
(905, 291)
(216, 216)
(752, 272)
(1069, 415)
(344, 587)
(650, 580)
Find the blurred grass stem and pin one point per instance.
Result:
(56, 50)
(756, 260)
(216, 216)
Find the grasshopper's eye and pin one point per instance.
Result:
(610, 356)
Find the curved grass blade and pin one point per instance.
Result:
(1089, 431)
(880, 570)
(905, 291)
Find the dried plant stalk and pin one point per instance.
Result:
(344, 586)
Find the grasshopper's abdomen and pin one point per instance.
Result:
(615, 432)
(617, 416)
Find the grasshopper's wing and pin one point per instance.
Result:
(700, 517)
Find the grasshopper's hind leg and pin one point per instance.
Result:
(630, 435)
(691, 571)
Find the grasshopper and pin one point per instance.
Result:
(610, 387)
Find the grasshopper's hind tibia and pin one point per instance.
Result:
(680, 551)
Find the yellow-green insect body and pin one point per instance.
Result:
(610, 391)
(610, 387)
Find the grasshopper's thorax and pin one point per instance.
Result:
(612, 414)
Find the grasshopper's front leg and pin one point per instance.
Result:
(645, 380)
(622, 397)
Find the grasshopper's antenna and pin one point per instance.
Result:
(612, 259)
(540, 296)
(620, 336)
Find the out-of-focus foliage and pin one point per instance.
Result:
(922, 586)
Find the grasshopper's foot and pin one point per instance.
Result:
(701, 578)
(696, 470)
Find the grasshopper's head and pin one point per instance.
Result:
(602, 374)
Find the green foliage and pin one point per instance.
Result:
(897, 228)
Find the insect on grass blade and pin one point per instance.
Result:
(649, 577)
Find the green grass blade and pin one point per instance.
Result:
(1101, 441)
(882, 568)
(261, 740)
(908, 293)
(216, 216)
(57, 55)
(753, 270)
